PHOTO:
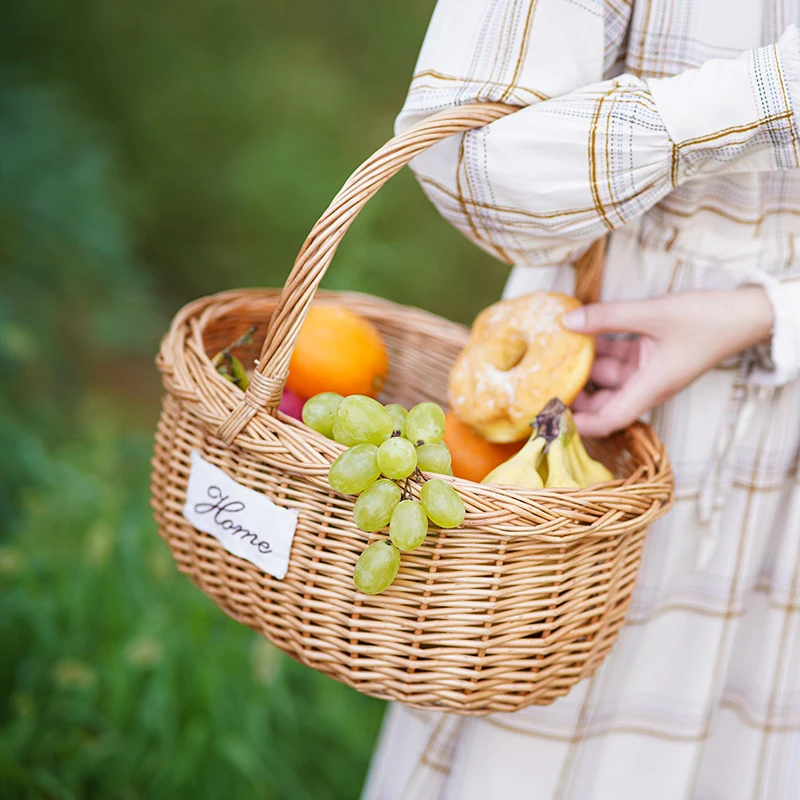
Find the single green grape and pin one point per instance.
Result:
(319, 412)
(409, 525)
(398, 414)
(442, 503)
(339, 434)
(435, 458)
(360, 420)
(355, 469)
(376, 567)
(375, 505)
(425, 423)
(397, 458)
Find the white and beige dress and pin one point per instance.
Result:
(672, 127)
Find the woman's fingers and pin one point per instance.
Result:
(593, 402)
(633, 316)
(616, 409)
(608, 372)
(681, 336)
(620, 347)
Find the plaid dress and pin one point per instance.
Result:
(671, 127)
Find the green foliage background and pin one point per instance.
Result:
(151, 153)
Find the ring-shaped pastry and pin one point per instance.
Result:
(517, 358)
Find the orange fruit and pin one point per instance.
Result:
(473, 457)
(337, 351)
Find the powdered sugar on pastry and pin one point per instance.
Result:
(518, 357)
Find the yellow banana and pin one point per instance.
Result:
(586, 469)
(520, 469)
(558, 472)
(553, 457)
(543, 471)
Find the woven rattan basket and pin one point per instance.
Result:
(513, 608)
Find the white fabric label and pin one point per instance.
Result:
(246, 523)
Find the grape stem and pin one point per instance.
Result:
(225, 353)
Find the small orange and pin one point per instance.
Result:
(473, 457)
(337, 351)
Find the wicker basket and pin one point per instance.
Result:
(512, 609)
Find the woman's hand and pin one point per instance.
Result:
(676, 339)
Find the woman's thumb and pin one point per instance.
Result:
(624, 317)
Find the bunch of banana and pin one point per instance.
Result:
(553, 457)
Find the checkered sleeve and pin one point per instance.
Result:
(780, 357)
(737, 114)
(537, 187)
(741, 115)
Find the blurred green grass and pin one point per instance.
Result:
(120, 680)
(151, 153)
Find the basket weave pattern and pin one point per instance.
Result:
(512, 609)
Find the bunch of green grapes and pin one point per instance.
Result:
(388, 449)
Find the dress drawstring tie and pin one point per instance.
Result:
(744, 400)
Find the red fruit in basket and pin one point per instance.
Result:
(338, 351)
(291, 404)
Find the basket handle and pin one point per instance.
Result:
(318, 250)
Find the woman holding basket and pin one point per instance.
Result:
(672, 129)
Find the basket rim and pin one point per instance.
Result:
(189, 376)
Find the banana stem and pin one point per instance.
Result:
(549, 421)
